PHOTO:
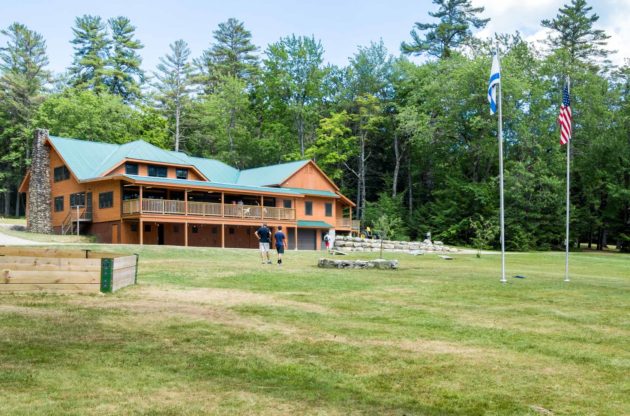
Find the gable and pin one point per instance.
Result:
(310, 176)
(273, 175)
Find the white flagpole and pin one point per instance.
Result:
(566, 266)
(501, 179)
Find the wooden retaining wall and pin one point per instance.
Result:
(52, 270)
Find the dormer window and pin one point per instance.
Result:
(158, 171)
(131, 168)
(181, 173)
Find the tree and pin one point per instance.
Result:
(385, 226)
(173, 76)
(574, 32)
(23, 76)
(91, 51)
(334, 145)
(456, 19)
(100, 117)
(293, 81)
(124, 74)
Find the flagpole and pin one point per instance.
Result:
(501, 180)
(566, 266)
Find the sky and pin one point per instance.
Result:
(341, 25)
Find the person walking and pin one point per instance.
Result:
(280, 239)
(264, 236)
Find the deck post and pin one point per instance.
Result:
(222, 235)
(186, 202)
(140, 207)
(296, 238)
(222, 204)
(262, 209)
(141, 231)
(186, 234)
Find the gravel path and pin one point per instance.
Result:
(9, 240)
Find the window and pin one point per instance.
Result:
(175, 228)
(231, 230)
(158, 171)
(61, 173)
(195, 229)
(215, 230)
(77, 199)
(181, 173)
(308, 207)
(59, 203)
(328, 206)
(287, 203)
(106, 200)
(131, 168)
(147, 228)
(134, 227)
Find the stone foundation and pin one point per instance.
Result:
(356, 244)
(358, 264)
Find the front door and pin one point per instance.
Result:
(160, 234)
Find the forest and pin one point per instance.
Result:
(405, 134)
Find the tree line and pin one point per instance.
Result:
(412, 141)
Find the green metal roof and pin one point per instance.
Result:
(270, 175)
(83, 156)
(214, 170)
(313, 224)
(314, 192)
(229, 186)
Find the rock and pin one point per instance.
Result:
(416, 252)
(357, 264)
(388, 246)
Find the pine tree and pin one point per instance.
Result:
(173, 76)
(573, 27)
(124, 75)
(456, 19)
(231, 56)
(91, 50)
(22, 65)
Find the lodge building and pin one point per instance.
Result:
(137, 193)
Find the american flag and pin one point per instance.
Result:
(564, 119)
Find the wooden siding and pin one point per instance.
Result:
(143, 170)
(309, 177)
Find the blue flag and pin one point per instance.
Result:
(495, 79)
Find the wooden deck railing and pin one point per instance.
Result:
(165, 206)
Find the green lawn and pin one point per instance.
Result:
(211, 331)
(46, 238)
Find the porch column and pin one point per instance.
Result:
(222, 235)
(222, 204)
(296, 238)
(140, 208)
(262, 210)
(186, 206)
(186, 234)
(141, 231)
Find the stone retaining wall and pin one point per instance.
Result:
(356, 244)
(358, 264)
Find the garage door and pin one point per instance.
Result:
(306, 239)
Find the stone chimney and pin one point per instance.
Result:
(39, 198)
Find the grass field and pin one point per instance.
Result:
(215, 332)
(42, 238)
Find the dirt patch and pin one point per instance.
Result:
(225, 298)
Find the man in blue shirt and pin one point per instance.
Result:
(280, 239)
(264, 236)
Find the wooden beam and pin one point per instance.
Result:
(140, 207)
(222, 204)
(222, 235)
(141, 227)
(186, 234)
(296, 238)
(185, 201)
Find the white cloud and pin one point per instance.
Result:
(508, 16)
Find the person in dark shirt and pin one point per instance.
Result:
(280, 239)
(264, 236)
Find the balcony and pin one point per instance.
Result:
(205, 209)
(348, 223)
